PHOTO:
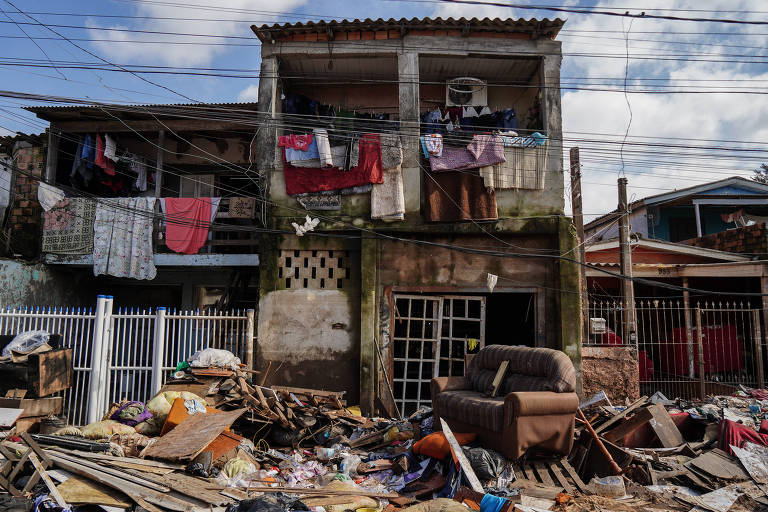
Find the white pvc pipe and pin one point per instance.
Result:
(95, 382)
(158, 351)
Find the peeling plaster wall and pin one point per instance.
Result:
(25, 284)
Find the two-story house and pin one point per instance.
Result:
(161, 206)
(427, 154)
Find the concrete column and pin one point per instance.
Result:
(569, 299)
(552, 115)
(368, 322)
(52, 156)
(266, 139)
(698, 219)
(408, 76)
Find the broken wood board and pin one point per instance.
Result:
(458, 453)
(496, 383)
(718, 464)
(192, 436)
(198, 388)
(9, 416)
(82, 491)
(60, 501)
(657, 417)
(34, 406)
(636, 404)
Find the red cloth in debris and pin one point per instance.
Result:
(300, 142)
(102, 161)
(760, 394)
(187, 220)
(763, 427)
(736, 434)
(299, 180)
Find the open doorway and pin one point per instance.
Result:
(434, 334)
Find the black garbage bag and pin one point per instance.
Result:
(487, 464)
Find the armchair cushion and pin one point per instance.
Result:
(473, 407)
(541, 403)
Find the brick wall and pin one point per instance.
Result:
(749, 240)
(24, 219)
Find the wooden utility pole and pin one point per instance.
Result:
(578, 221)
(625, 252)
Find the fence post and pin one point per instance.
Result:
(158, 351)
(688, 329)
(758, 338)
(249, 328)
(700, 346)
(96, 383)
(106, 354)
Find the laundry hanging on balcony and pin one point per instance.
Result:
(369, 170)
(187, 222)
(122, 245)
(68, 226)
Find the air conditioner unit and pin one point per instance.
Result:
(466, 91)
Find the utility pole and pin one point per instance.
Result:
(578, 221)
(627, 286)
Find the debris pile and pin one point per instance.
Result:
(215, 436)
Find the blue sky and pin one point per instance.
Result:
(709, 133)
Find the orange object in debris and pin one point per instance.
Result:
(178, 414)
(435, 445)
(225, 442)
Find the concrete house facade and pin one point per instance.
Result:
(381, 306)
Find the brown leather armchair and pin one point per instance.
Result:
(535, 408)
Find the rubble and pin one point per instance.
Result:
(215, 437)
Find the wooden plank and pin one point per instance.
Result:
(459, 454)
(112, 458)
(9, 416)
(639, 419)
(561, 478)
(664, 427)
(573, 474)
(188, 439)
(498, 378)
(60, 501)
(82, 491)
(308, 391)
(636, 404)
(543, 473)
(718, 464)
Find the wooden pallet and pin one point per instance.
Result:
(551, 474)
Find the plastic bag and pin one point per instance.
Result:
(214, 357)
(26, 342)
(487, 464)
(106, 428)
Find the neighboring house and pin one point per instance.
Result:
(689, 212)
(384, 304)
(161, 151)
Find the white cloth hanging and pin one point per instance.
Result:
(48, 195)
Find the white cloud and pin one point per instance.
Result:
(596, 120)
(250, 93)
(187, 54)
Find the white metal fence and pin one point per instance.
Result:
(134, 349)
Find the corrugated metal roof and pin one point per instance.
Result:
(544, 27)
(58, 108)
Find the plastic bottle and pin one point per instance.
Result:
(325, 454)
(608, 486)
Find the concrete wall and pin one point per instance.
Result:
(26, 284)
(311, 335)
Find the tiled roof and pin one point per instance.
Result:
(544, 27)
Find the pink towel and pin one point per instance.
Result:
(186, 223)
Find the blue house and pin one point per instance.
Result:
(689, 212)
